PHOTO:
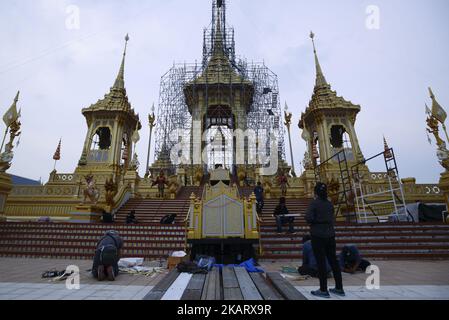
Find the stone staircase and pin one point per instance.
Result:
(78, 241)
(150, 240)
(153, 210)
(380, 241)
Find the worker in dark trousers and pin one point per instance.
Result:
(107, 256)
(320, 216)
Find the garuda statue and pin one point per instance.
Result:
(91, 191)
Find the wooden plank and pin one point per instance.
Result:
(175, 292)
(212, 287)
(231, 289)
(229, 278)
(266, 290)
(232, 294)
(247, 286)
(209, 286)
(194, 290)
(284, 287)
(161, 288)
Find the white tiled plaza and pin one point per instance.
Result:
(20, 279)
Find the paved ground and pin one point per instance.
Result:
(399, 280)
(21, 279)
(387, 293)
(392, 273)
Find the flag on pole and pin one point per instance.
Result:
(12, 115)
(437, 110)
(57, 155)
(428, 111)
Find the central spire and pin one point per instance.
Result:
(219, 28)
(320, 79)
(120, 81)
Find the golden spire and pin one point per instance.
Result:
(320, 79)
(218, 41)
(120, 81)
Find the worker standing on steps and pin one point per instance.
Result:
(258, 192)
(161, 182)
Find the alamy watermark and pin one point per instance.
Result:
(73, 19)
(247, 147)
(372, 21)
(373, 280)
(73, 280)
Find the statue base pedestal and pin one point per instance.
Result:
(86, 214)
(5, 189)
(444, 186)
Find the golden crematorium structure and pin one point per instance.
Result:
(219, 130)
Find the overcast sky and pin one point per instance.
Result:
(61, 70)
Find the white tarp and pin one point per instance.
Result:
(130, 262)
(179, 254)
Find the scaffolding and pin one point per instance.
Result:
(343, 205)
(383, 204)
(264, 115)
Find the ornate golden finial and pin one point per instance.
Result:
(152, 117)
(312, 36)
(320, 79)
(120, 81)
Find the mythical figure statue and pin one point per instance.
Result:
(198, 177)
(333, 186)
(173, 186)
(91, 191)
(111, 190)
(135, 164)
(268, 186)
(307, 162)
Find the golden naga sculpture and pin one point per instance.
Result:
(438, 116)
(91, 191)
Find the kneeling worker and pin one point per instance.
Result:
(309, 265)
(107, 256)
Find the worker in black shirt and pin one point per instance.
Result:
(320, 216)
(280, 214)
